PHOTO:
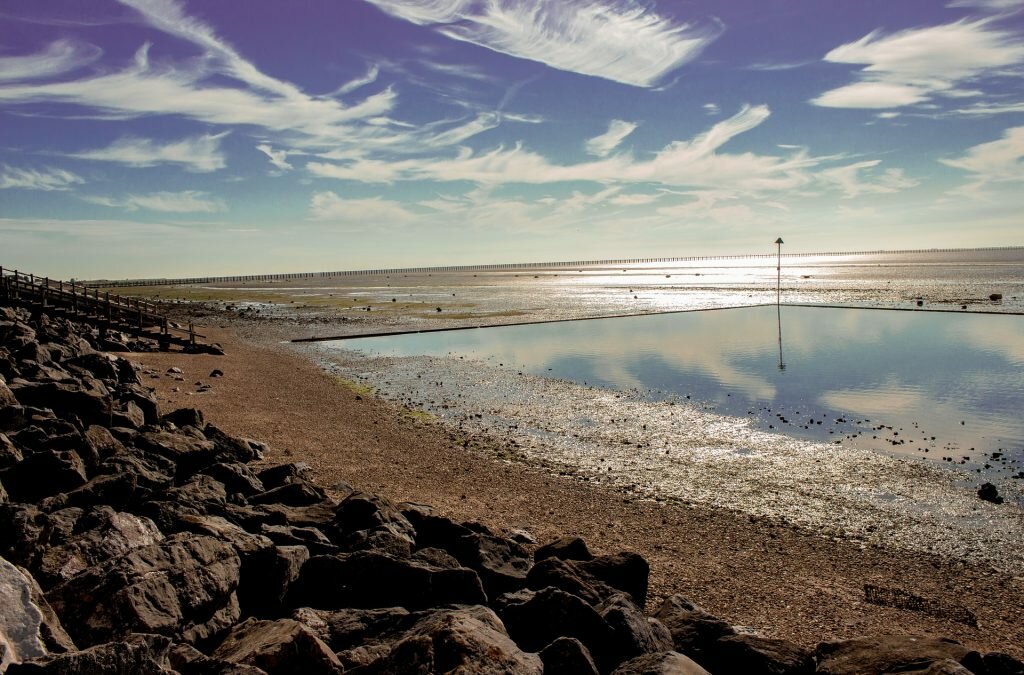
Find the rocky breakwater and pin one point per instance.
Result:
(134, 542)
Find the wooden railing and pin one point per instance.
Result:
(90, 303)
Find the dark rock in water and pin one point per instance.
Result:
(568, 655)
(370, 579)
(663, 663)
(43, 474)
(632, 633)
(136, 654)
(183, 587)
(185, 417)
(989, 493)
(566, 548)
(464, 640)
(278, 647)
(889, 653)
(995, 296)
(693, 630)
(754, 654)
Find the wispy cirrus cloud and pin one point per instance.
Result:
(617, 41)
(48, 179)
(329, 207)
(188, 201)
(998, 161)
(617, 132)
(859, 178)
(695, 162)
(60, 57)
(914, 66)
(200, 154)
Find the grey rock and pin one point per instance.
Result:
(664, 663)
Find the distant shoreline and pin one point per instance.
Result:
(496, 267)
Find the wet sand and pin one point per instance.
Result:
(782, 580)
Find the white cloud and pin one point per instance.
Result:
(617, 41)
(48, 179)
(635, 199)
(328, 206)
(219, 88)
(992, 5)
(712, 109)
(693, 163)
(986, 108)
(60, 57)
(277, 157)
(617, 131)
(188, 201)
(851, 181)
(369, 78)
(913, 66)
(999, 161)
(196, 153)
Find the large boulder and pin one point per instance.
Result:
(372, 579)
(132, 655)
(465, 640)
(278, 647)
(182, 587)
(693, 629)
(92, 405)
(534, 619)
(889, 653)
(630, 632)
(99, 535)
(568, 655)
(43, 474)
(665, 663)
(20, 618)
(564, 548)
(745, 653)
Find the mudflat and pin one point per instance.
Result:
(780, 580)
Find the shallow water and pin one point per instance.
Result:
(945, 386)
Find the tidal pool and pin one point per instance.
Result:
(947, 387)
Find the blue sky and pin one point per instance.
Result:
(169, 138)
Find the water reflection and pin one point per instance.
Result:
(948, 387)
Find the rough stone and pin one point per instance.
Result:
(20, 617)
(564, 548)
(278, 647)
(536, 618)
(134, 655)
(465, 640)
(267, 576)
(663, 663)
(630, 632)
(183, 587)
(887, 653)
(745, 653)
(626, 571)
(43, 474)
(693, 630)
(370, 579)
(569, 656)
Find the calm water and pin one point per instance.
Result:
(940, 385)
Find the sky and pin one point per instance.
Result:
(169, 138)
